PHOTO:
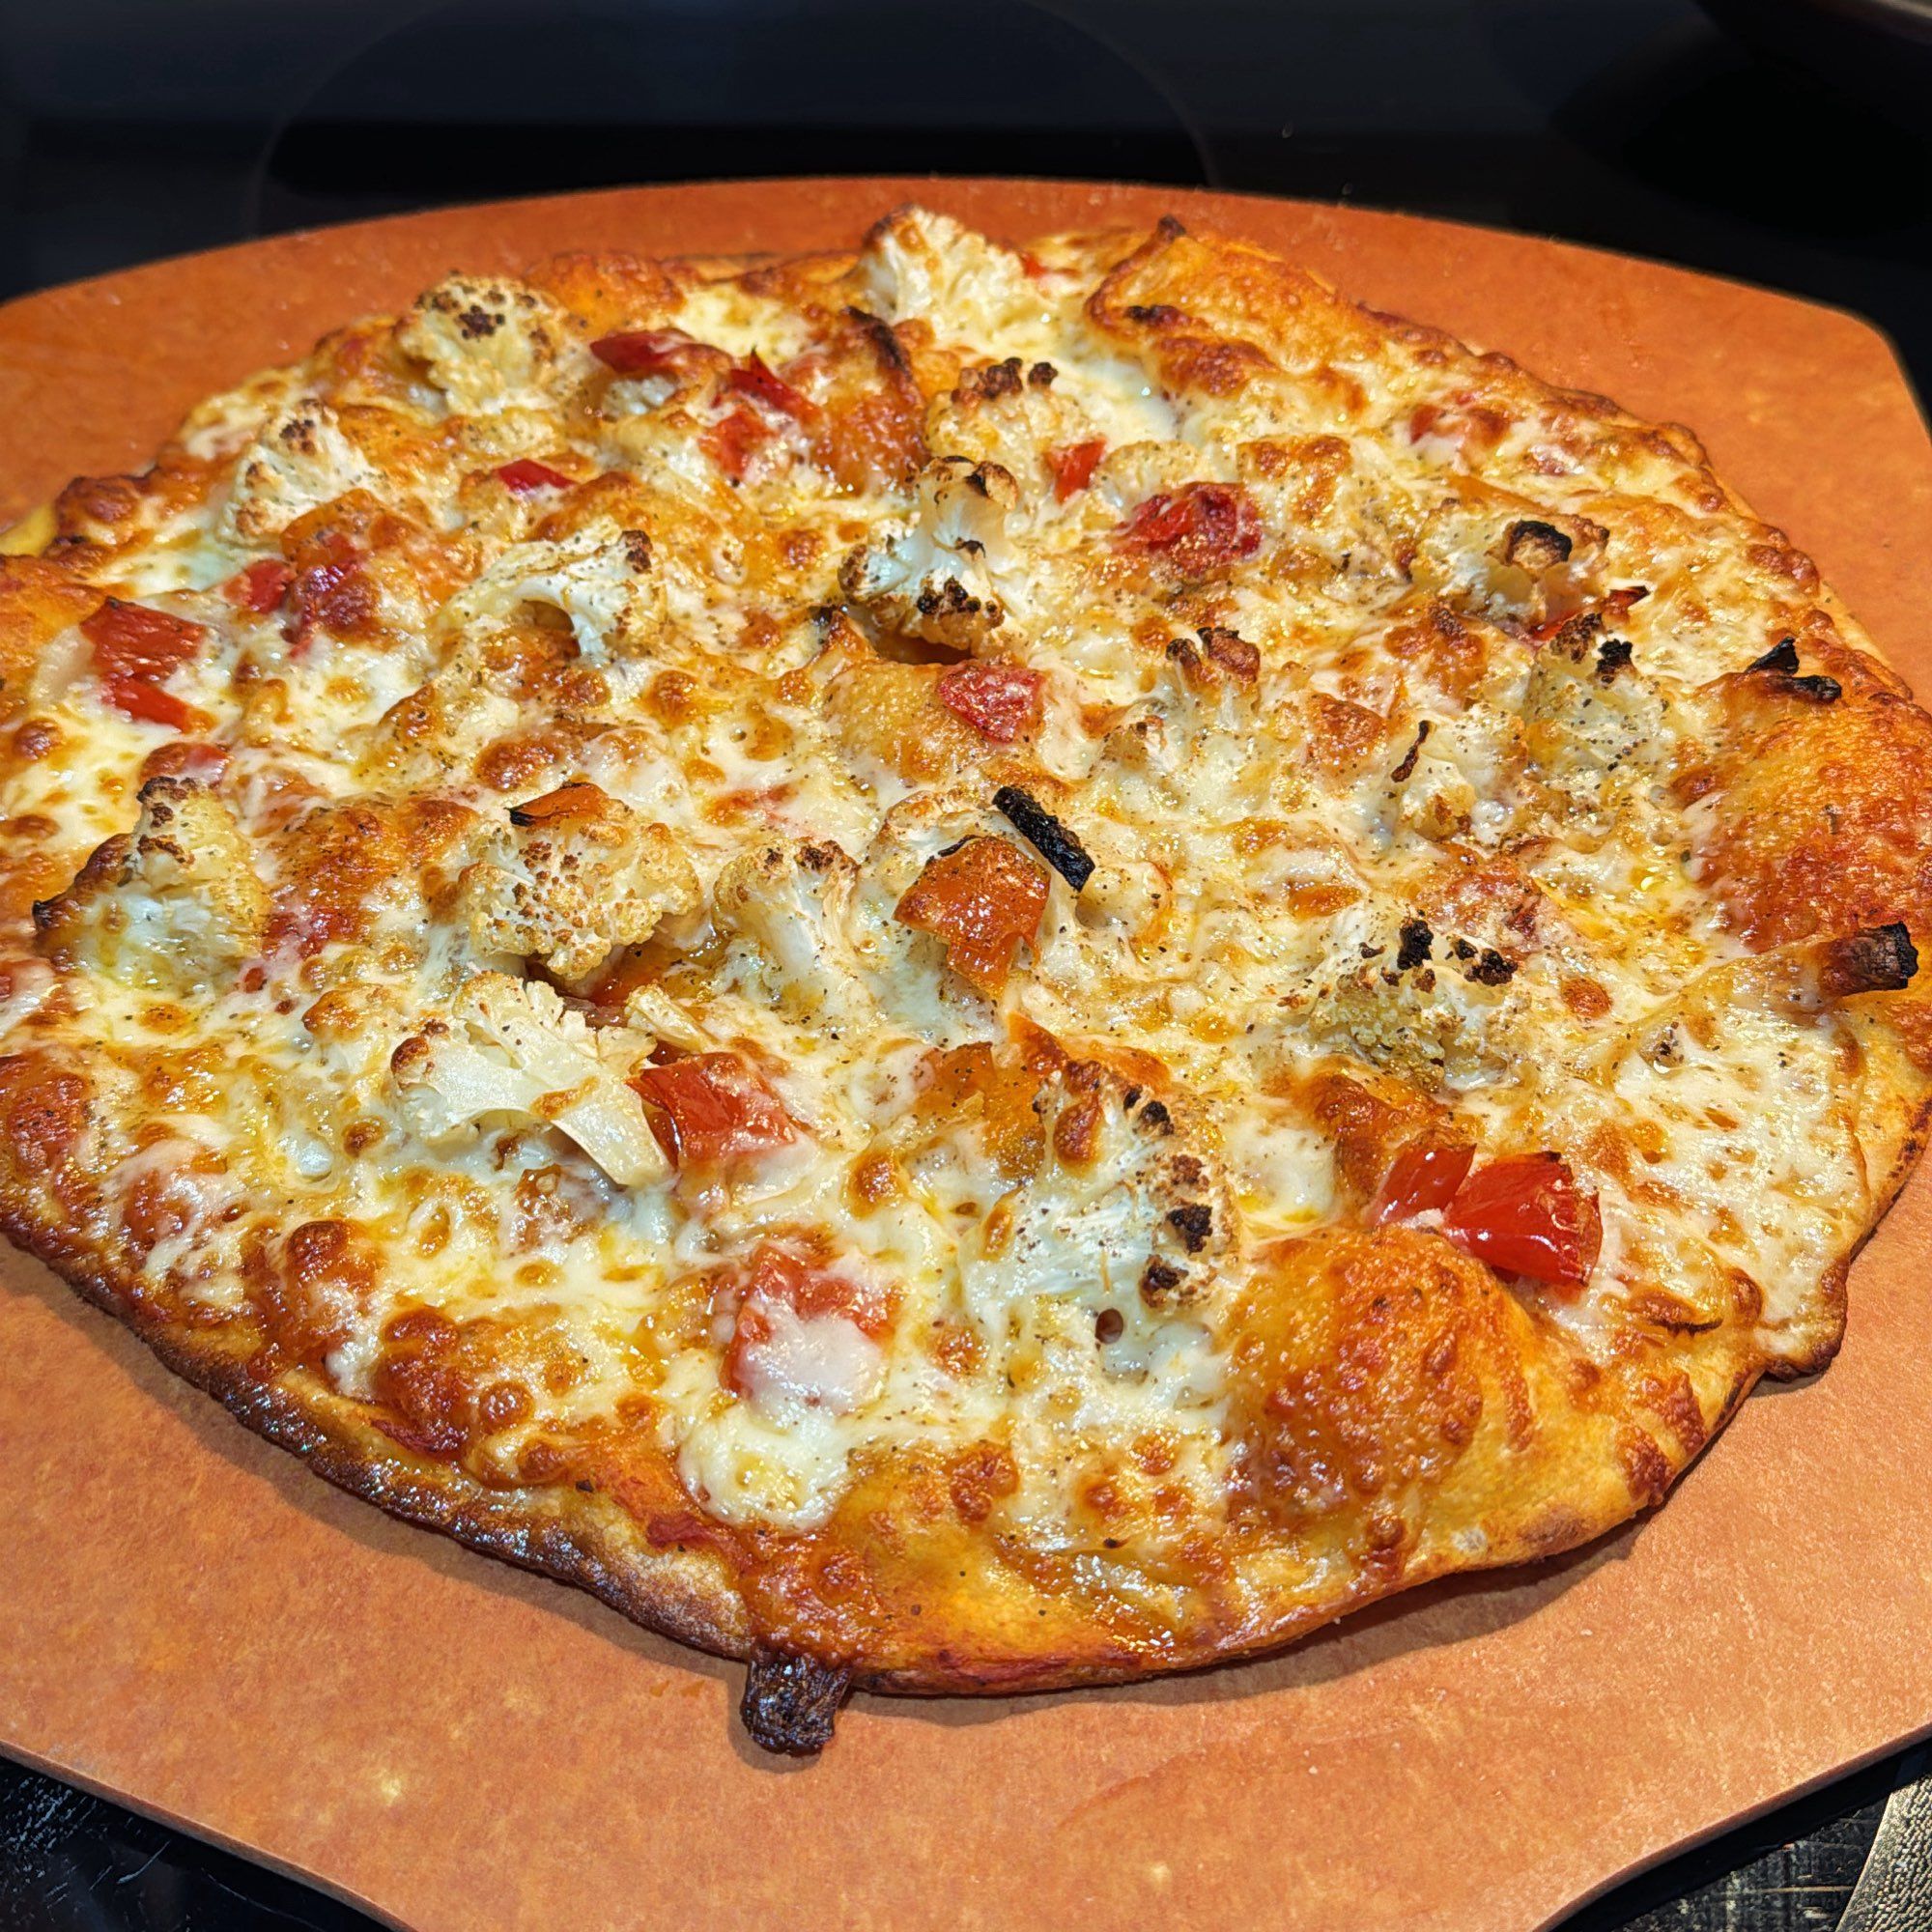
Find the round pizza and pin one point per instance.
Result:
(957, 967)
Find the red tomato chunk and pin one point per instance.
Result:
(712, 1107)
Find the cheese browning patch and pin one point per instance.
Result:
(957, 967)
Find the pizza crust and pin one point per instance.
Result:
(1491, 1420)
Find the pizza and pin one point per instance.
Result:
(957, 967)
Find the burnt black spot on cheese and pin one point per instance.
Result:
(1781, 656)
(1880, 959)
(1492, 968)
(1612, 654)
(1041, 375)
(1417, 942)
(1045, 834)
(1414, 752)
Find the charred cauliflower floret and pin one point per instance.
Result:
(935, 574)
(1587, 710)
(575, 875)
(793, 912)
(603, 579)
(173, 904)
(488, 342)
(1011, 414)
(510, 1053)
(921, 265)
(301, 459)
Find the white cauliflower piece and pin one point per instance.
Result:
(173, 904)
(511, 1051)
(796, 906)
(917, 263)
(488, 342)
(575, 875)
(301, 459)
(601, 578)
(935, 574)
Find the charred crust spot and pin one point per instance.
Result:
(477, 322)
(1159, 1279)
(1193, 1223)
(1414, 752)
(1045, 834)
(1416, 943)
(1816, 689)
(1041, 375)
(1530, 545)
(1492, 968)
(791, 1702)
(1612, 654)
(1782, 656)
(1108, 1324)
(1154, 315)
(1170, 228)
(1155, 1117)
(1880, 959)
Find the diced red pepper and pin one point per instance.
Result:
(982, 898)
(1421, 1178)
(260, 586)
(735, 441)
(776, 1278)
(130, 640)
(712, 1107)
(327, 591)
(1199, 529)
(139, 698)
(646, 352)
(526, 474)
(752, 378)
(1528, 1215)
(1001, 701)
(1073, 466)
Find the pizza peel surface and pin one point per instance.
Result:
(971, 967)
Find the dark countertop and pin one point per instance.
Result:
(132, 128)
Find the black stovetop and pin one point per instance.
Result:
(132, 128)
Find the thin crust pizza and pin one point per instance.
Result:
(958, 968)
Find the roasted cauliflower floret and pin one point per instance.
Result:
(173, 904)
(575, 875)
(1587, 709)
(1012, 414)
(935, 574)
(793, 908)
(919, 264)
(509, 1052)
(488, 342)
(301, 459)
(601, 578)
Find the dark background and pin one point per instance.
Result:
(132, 128)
